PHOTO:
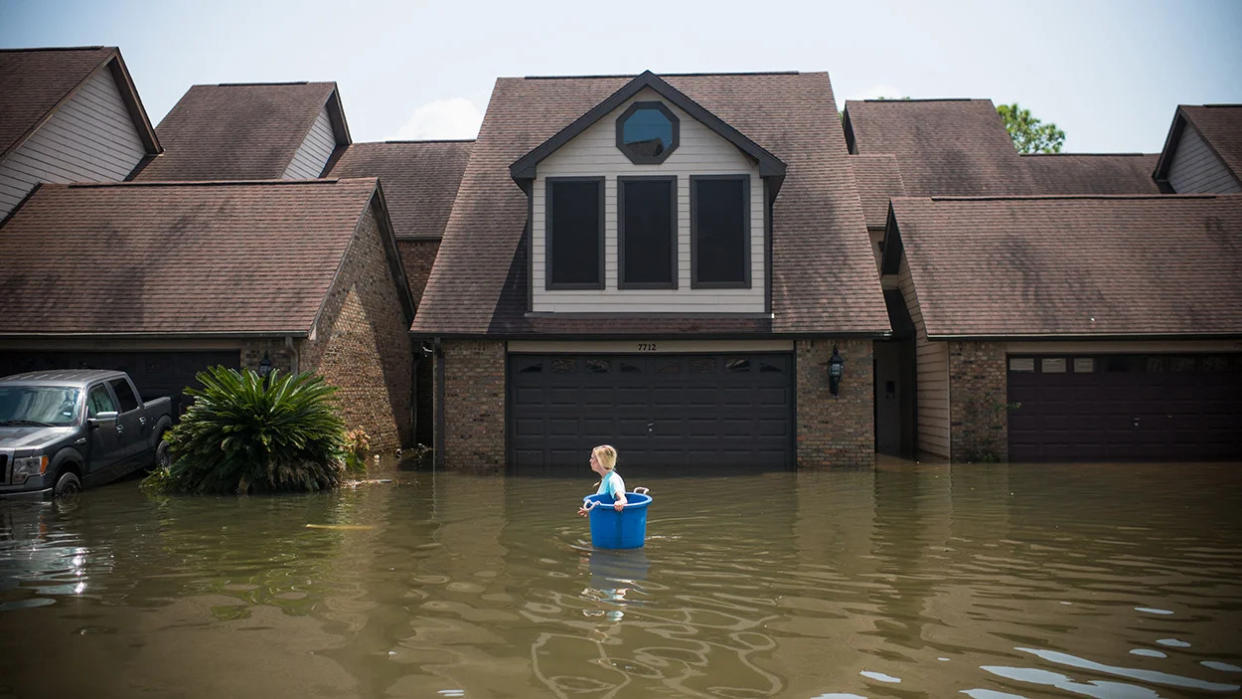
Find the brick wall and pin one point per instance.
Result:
(253, 351)
(417, 256)
(835, 431)
(978, 407)
(474, 405)
(361, 343)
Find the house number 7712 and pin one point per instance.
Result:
(646, 347)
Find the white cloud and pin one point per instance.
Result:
(455, 117)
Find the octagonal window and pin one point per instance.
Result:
(647, 133)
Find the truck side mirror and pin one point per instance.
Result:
(105, 418)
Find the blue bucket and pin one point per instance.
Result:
(610, 529)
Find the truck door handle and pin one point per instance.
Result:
(120, 428)
(142, 420)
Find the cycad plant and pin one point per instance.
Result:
(247, 434)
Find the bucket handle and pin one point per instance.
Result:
(641, 490)
(590, 505)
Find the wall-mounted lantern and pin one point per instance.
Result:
(265, 366)
(836, 367)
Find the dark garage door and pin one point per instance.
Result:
(1156, 407)
(155, 373)
(664, 413)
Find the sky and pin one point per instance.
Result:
(1110, 74)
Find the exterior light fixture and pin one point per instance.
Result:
(265, 366)
(836, 367)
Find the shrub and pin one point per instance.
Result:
(244, 434)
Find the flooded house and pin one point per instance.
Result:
(701, 269)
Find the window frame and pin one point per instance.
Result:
(671, 180)
(549, 228)
(747, 233)
(648, 159)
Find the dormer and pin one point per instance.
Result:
(649, 203)
(1202, 152)
(251, 131)
(69, 115)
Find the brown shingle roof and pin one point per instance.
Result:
(420, 180)
(1082, 173)
(1075, 266)
(823, 280)
(943, 147)
(878, 181)
(237, 132)
(176, 258)
(33, 82)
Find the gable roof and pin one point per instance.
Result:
(769, 165)
(180, 259)
(35, 82)
(1220, 125)
(879, 180)
(1099, 266)
(243, 131)
(1091, 173)
(823, 277)
(942, 146)
(420, 180)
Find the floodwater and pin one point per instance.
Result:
(908, 580)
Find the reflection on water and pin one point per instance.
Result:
(989, 581)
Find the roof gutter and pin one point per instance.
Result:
(1060, 337)
(157, 335)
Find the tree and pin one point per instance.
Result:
(1030, 135)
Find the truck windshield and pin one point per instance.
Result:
(37, 405)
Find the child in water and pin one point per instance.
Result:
(604, 462)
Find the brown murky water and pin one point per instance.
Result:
(990, 581)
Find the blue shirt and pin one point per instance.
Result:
(612, 483)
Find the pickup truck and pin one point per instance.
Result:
(63, 430)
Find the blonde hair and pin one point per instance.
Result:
(607, 456)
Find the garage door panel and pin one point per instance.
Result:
(660, 411)
(1128, 407)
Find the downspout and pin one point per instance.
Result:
(294, 358)
(438, 459)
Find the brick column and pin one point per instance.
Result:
(835, 431)
(474, 405)
(978, 402)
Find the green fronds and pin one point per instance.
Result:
(244, 434)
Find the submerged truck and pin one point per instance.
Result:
(61, 431)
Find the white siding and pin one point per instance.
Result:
(315, 150)
(1196, 168)
(932, 371)
(90, 138)
(700, 152)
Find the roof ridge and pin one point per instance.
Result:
(1038, 197)
(423, 140)
(212, 183)
(1030, 155)
(262, 84)
(667, 75)
(899, 100)
(56, 48)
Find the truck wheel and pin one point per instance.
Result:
(162, 457)
(67, 484)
